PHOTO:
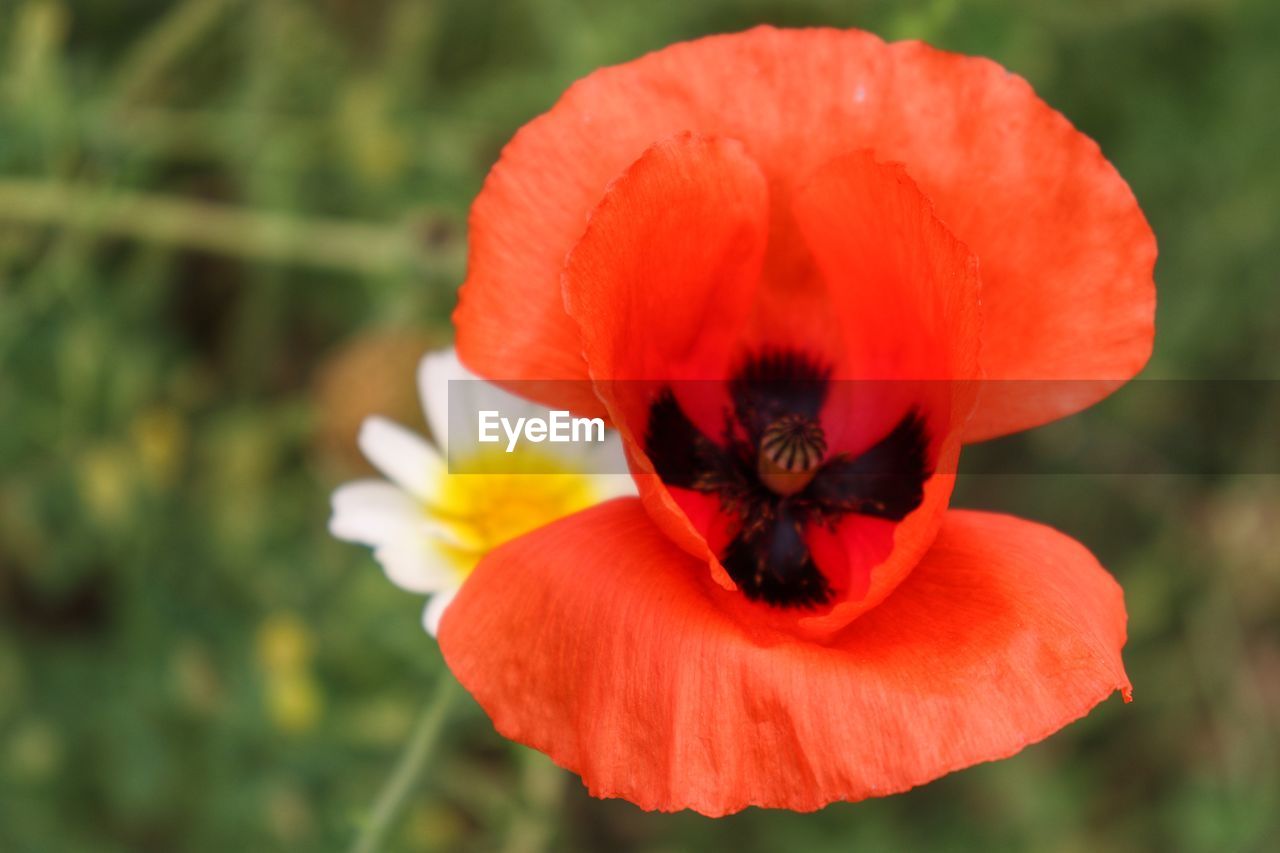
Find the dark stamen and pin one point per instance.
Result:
(886, 481)
(681, 455)
(774, 384)
(770, 561)
(791, 449)
(772, 477)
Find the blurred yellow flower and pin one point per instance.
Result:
(106, 482)
(293, 697)
(160, 436)
(293, 700)
(374, 145)
(34, 750)
(284, 643)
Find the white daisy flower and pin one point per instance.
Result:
(428, 528)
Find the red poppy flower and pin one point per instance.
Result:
(716, 242)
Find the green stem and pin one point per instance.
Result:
(399, 786)
(218, 228)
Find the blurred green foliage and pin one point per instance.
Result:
(227, 227)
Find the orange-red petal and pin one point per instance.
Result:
(903, 293)
(600, 643)
(1066, 254)
(664, 279)
(663, 284)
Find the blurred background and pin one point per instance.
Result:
(228, 229)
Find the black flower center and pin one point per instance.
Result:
(773, 474)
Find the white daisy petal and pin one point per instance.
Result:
(403, 456)
(610, 486)
(372, 495)
(435, 371)
(416, 566)
(617, 482)
(435, 610)
(609, 457)
(373, 512)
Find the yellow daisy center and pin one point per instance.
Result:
(508, 495)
